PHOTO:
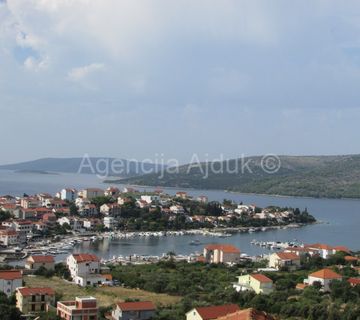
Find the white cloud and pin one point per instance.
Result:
(77, 74)
(34, 64)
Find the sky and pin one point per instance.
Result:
(159, 79)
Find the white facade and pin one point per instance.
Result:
(84, 269)
(150, 198)
(8, 237)
(68, 194)
(23, 226)
(10, 280)
(110, 222)
(325, 283)
(74, 223)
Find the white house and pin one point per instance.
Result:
(324, 277)
(256, 282)
(211, 312)
(112, 192)
(177, 209)
(150, 198)
(8, 237)
(10, 280)
(91, 193)
(74, 223)
(88, 210)
(202, 199)
(139, 310)
(84, 269)
(68, 194)
(289, 260)
(221, 253)
(110, 209)
(109, 222)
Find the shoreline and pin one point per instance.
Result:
(117, 182)
(66, 243)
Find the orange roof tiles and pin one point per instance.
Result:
(354, 281)
(136, 306)
(320, 246)
(85, 257)
(10, 274)
(325, 274)
(247, 314)
(227, 248)
(260, 277)
(301, 286)
(342, 248)
(351, 258)
(214, 312)
(34, 291)
(287, 256)
(42, 259)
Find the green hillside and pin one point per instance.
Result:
(313, 176)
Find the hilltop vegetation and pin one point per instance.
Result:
(312, 176)
(203, 284)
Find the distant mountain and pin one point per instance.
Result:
(313, 176)
(97, 165)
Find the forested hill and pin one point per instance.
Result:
(313, 176)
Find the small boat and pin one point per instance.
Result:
(195, 242)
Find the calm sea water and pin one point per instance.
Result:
(340, 218)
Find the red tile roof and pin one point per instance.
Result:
(10, 274)
(301, 286)
(351, 258)
(85, 257)
(247, 314)
(8, 232)
(342, 248)
(214, 312)
(320, 246)
(287, 256)
(42, 259)
(354, 281)
(136, 306)
(260, 277)
(33, 291)
(325, 274)
(227, 248)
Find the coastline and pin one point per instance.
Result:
(117, 182)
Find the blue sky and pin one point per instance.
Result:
(135, 79)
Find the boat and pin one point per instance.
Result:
(195, 242)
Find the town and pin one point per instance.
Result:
(37, 228)
(29, 220)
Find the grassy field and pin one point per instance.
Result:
(105, 295)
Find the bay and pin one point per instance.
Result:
(340, 218)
